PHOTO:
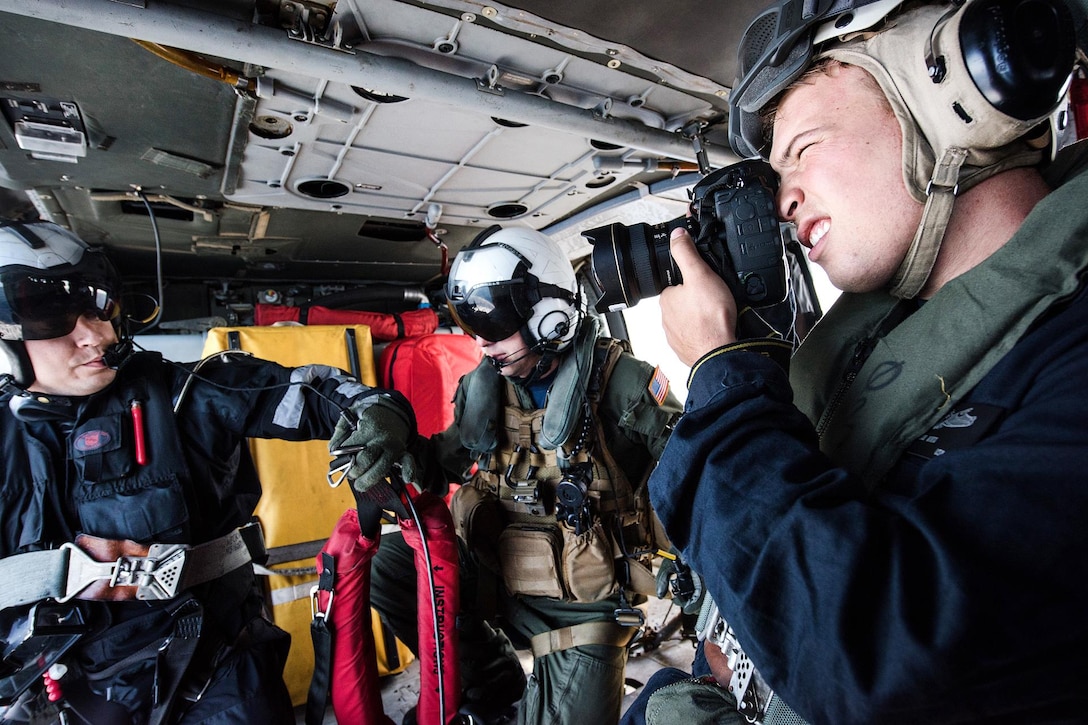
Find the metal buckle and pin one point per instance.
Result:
(315, 606)
(83, 571)
(156, 576)
(629, 617)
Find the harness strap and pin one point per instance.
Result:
(173, 661)
(114, 570)
(172, 657)
(606, 633)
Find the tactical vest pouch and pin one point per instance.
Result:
(588, 567)
(100, 450)
(530, 559)
(478, 518)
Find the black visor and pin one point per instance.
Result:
(48, 306)
(492, 311)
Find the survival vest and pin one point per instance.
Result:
(556, 516)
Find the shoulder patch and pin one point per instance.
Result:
(659, 386)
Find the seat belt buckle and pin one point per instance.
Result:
(155, 576)
(83, 571)
(158, 575)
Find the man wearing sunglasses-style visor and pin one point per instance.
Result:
(127, 495)
(506, 282)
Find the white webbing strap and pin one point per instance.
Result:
(168, 569)
(32, 577)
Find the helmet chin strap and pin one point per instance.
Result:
(941, 192)
(31, 407)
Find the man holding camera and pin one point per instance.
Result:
(892, 529)
(554, 436)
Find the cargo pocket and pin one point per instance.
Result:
(478, 518)
(588, 568)
(530, 560)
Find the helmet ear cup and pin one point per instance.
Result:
(1019, 53)
(554, 324)
(15, 362)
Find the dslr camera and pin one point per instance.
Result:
(735, 226)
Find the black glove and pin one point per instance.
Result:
(375, 433)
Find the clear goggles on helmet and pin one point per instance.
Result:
(493, 310)
(48, 306)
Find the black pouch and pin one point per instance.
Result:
(100, 449)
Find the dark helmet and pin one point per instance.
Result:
(49, 278)
(511, 280)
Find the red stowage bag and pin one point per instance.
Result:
(383, 326)
(426, 369)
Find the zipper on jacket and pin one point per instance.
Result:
(861, 353)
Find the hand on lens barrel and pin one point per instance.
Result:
(699, 315)
(375, 435)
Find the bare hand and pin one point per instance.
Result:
(699, 315)
(718, 663)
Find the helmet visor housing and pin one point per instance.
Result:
(46, 304)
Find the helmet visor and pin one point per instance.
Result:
(48, 306)
(492, 311)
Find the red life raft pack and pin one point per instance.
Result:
(427, 368)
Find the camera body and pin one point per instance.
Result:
(734, 223)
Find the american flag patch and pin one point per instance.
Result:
(659, 386)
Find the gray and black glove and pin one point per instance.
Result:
(683, 582)
(372, 437)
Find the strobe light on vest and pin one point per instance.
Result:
(736, 230)
(572, 498)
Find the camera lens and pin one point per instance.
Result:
(630, 263)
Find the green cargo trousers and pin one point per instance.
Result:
(573, 686)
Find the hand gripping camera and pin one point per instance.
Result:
(736, 230)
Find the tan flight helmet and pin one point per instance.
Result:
(973, 86)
